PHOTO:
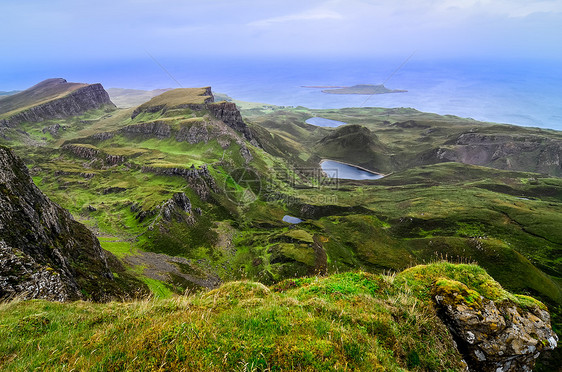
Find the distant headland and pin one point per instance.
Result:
(357, 89)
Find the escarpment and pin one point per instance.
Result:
(44, 252)
(196, 99)
(502, 151)
(53, 99)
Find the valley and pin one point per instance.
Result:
(190, 192)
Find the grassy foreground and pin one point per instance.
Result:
(349, 321)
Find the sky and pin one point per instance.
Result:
(36, 35)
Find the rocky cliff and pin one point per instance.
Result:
(44, 252)
(52, 99)
(182, 98)
(196, 99)
(229, 114)
(502, 151)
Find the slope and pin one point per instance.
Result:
(348, 321)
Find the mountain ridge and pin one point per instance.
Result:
(52, 99)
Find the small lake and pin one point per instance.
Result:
(335, 169)
(291, 219)
(322, 122)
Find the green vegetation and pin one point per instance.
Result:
(178, 97)
(46, 91)
(427, 209)
(350, 321)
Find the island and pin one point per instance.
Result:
(363, 89)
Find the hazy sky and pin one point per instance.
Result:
(36, 33)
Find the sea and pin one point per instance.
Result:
(524, 92)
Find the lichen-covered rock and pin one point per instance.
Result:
(178, 208)
(47, 240)
(21, 275)
(493, 336)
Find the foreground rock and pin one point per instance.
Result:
(44, 252)
(493, 336)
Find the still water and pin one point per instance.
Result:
(335, 169)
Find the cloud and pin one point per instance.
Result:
(509, 8)
(309, 15)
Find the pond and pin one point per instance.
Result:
(291, 219)
(322, 122)
(336, 169)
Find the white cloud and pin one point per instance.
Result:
(510, 8)
(309, 15)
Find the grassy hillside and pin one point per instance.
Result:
(43, 92)
(118, 175)
(348, 321)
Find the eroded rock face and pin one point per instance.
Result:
(154, 128)
(178, 208)
(520, 153)
(21, 275)
(199, 179)
(45, 252)
(228, 113)
(494, 336)
(89, 97)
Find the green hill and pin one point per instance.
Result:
(188, 194)
(348, 321)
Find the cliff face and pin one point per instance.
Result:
(196, 99)
(76, 102)
(44, 252)
(520, 153)
(183, 98)
(229, 114)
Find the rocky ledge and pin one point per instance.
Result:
(44, 252)
(493, 336)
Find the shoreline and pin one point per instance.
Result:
(355, 166)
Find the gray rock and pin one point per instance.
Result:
(495, 336)
(59, 258)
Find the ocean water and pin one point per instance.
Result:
(522, 92)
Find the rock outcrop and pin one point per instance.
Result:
(183, 98)
(177, 208)
(530, 153)
(92, 153)
(44, 252)
(493, 336)
(20, 274)
(199, 179)
(37, 104)
(228, 113)
(156, 128)
(196, 99)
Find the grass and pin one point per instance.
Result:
(43, 93)
(505, 221)
(177, 97)
(349, 321)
